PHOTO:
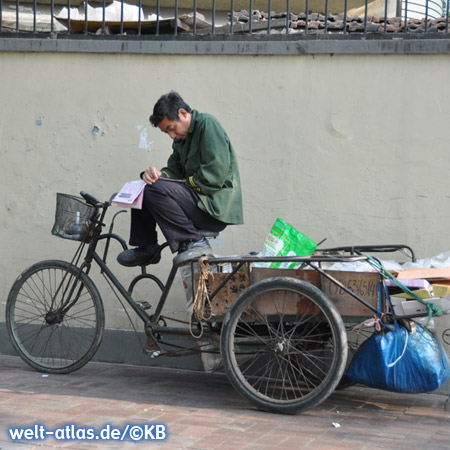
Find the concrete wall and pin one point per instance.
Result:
(352, 148)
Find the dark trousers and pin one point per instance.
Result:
(173, 207)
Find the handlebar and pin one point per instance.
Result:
(90, 199)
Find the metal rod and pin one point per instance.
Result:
(357, 249)
(345, 16)
(288, 14)
(86, 17)
(225, 281)
(231, 16)
(158, 10)
(121, 16)
(177, 331)
(1, 14)
(140, 18)
(269, 19)
(17, 15)
(34, 15)
(307, 15)
(104, 17)
(52, 13)
(213, 20)
(145, 276)
(365, 16)
(175, 31)
(446, 17)
(405, 30)
(143, 315)
(164, 294)
(347, 290)
(69, 5)
(195, 18)
(326, 16)
(426, 16)
(385, 15)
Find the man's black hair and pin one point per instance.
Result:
(168, 106)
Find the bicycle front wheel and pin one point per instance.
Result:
(283, 345)
(55, 317)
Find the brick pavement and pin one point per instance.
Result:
(202, 411)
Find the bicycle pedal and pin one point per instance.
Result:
(144, 305)
(152, 347)
(155, 354)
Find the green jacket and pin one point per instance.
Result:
(206, 160)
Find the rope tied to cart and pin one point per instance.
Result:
(201, 307)
(433, 310)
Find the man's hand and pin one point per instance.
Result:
(151, 175)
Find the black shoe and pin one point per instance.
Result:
(191, 245)
(189, 249)
(140, 256)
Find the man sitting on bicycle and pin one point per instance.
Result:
(199, 189)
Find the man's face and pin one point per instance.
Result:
(177, 129)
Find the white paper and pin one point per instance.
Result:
(130, 191)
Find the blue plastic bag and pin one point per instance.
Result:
(401, 361)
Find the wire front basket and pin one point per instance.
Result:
(72, 218)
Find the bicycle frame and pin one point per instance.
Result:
(151, 321)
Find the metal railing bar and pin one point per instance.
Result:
(431, 20)
(345, 16)
(437, 11)
(307, 15)
(175, 31)
(104, 17)
(288, 15)
(34, 15)
(69, 5)
(86, 17)
(405, 29)
(385, 15)
(420, 5)
(213, 19)
(140, 18)
(446, 16)
(158, 10)
(231, 16)
(365, 16)
(52, 14)
(121, 16)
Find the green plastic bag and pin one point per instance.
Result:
(285, 240)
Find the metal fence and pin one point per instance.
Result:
(226, 17)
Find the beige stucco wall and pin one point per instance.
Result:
(349, 148)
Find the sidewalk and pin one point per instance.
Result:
(203, 411)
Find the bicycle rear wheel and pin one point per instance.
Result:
(283, 345)
(55, 317)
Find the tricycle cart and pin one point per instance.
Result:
(284, 334)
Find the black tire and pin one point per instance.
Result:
(283, 345)
(50, 342)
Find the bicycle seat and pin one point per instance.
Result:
(209, 234)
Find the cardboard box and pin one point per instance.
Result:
(364, 284)
(428, 274)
